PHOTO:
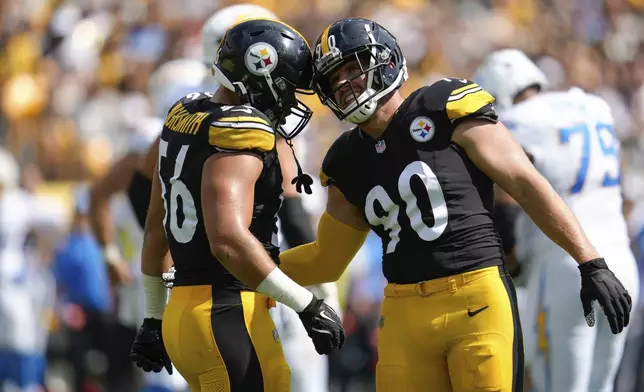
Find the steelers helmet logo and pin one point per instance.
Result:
(261, 58)
(422, 129)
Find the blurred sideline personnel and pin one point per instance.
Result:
(217, 328)
(420, 173)
(569, 138)
(115, 223)
(26, 294)
(309, 371)
(83, 289)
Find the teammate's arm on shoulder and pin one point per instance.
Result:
(341, 232)
(241, 128)
(492, 148)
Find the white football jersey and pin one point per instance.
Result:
(570, 136)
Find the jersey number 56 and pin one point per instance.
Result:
(181, 231)
(390, 221)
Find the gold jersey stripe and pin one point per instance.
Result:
(468, 104)
(240, 119)
(241, 138)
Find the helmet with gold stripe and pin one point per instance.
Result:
(374, 56)
(266, 62)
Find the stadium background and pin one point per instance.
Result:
(74, 83)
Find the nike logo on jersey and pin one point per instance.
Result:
(473, 313)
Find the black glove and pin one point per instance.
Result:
(323, 326)
(148, 351)
(599, 283)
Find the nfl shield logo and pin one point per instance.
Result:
(381, 146)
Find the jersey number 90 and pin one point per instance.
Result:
(184, 231)
(390, 221)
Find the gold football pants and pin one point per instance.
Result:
(459, 333)
(224, 341)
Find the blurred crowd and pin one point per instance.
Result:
(75, 83)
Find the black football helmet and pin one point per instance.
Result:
(376, 51)
(267, 62)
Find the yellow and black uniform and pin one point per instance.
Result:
(218, 332)
(450, 319)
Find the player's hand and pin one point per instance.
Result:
(168, 278)
(148, 351)
(323, 326)
(600, 284)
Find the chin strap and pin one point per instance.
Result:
(302, 179)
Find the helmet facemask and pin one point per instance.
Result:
(279, 102)
(377, 64)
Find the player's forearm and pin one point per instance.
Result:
(115, 181)
(155, 253)
(304, 265)
(325, 259)
(101, 221)
(551, 214)
(244, 256)
(103, 229)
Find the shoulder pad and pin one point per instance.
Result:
(241, 128)
(193, 98)
(460, 98)
(333, 160)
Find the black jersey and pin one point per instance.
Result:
(195, 129)
(418, 190)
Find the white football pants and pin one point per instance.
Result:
(563, 354)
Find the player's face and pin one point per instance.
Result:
(348, 82)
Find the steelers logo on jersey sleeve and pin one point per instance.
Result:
(422, 129)
(261, 58)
